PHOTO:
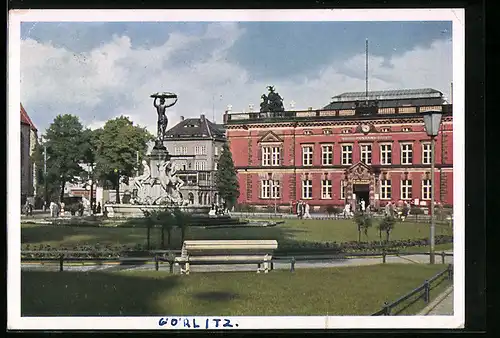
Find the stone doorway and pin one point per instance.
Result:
(361, 192)
(360, 185)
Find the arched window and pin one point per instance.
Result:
(191, 198)
(200, 198)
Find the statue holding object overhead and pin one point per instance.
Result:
(161, 106)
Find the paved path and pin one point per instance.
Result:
(412, 259)
(442, 305)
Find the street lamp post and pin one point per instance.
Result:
(432, 121)
(45, 197)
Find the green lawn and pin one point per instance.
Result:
(327, 291)
(290, 231)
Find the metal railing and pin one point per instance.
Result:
(423, 291)
(168, 256)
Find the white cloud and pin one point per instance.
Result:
(117, 79)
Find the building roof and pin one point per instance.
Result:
(25, 119)
(195, 128)
(389, 98)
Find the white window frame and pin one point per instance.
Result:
(265, 189)
(326, 189)
(216, 165)
(346, 152)
(406, 154)
(266, 156)
(275, 189)
(426, 151)
(385, 189)
(366, 153)
(275, 156)
(342, 189)
(406, 189)
(307, 155)
(426, 190)
(216, 151)
(327, 154)
(387, 152)
(307, 189)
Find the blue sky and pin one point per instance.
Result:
(102, 70)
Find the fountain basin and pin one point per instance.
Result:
(136, 210)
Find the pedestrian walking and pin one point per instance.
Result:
(307, 215)
(299, 209)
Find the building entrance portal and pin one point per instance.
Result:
(362, 192)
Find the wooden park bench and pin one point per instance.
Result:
(204, 252)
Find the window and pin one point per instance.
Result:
(216, 166)
(346, 154)
(275, 189)
(406, 153)
(216, 151)
(327, 131)
(385, 154)
(385, 130)
(346, 131)
(181, 150)
(265, 189)
(270, 156)
(200, 165)
(405, 129)
(342, 190)
(275, 156)
(307, 155)
(266, 156)
(366, 153)
(426, 190)
(406, 189)
(426, 153)
(306, 189)
(307, 132)
(327, 154)
(270, 189)
(385, 189)
(326, 189)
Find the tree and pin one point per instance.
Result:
(90, 150)
(386, 224)
(182, 220)
(64, 151)
(364, 221)
(226, 178)
(167, 221)
(117, 147)
(151, 219)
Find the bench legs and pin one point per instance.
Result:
(266, 267)
(185, 270)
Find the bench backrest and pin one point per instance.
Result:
(228, 246)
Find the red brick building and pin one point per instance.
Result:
(371, 147)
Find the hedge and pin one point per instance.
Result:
(98, 251)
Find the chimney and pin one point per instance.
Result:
(310, 108)
(202, 117)
(182, 118)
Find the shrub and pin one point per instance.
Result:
(364, 221)
(386, 224)
(330, 209)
